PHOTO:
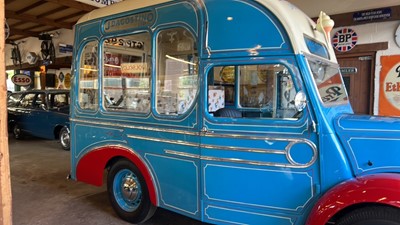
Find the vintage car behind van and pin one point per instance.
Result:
(40, 113)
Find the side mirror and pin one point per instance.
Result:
(300, 101)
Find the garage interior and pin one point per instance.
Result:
(41, 194)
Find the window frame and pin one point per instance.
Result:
(149, 56)
(80, 78)
(197, 54)
(287, 62)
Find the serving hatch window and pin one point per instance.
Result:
(126, 76)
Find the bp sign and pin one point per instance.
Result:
(344, 40)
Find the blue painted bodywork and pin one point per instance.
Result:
(227, 171)
(370, 142)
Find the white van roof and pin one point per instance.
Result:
(119, 7)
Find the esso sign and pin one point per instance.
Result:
(21, 79)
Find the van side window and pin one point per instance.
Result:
(88, 76)
(251, 91)
(126, 73)
(177, 71)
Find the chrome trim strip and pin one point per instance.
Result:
(242, 161)
(253, 137)
(164, 140)
(188, 155)
(291, 142)
(292, 163)
(120, 125)
(240, 149)
(289, 157)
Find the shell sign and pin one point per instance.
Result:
(389, 96)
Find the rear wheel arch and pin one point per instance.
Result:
(91, 166)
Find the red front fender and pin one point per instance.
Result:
(377, 188)
(91, 166)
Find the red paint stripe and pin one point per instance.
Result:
(90, 168)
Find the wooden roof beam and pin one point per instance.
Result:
(74, 4)
(56, 10)
(29, 7)
(43, 21)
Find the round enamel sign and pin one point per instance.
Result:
(344, 40)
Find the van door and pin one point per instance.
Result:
(259, 155)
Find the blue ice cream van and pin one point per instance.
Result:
(228, 112)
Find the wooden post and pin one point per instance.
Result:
(5, 183)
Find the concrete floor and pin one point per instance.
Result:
(43, 196)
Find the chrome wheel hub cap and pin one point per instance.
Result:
(130, 188)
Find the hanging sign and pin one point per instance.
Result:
(389, 96)
(21, 80)
(99, 3)
(344, 40)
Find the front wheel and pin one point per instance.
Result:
(65, 138)
(372, 215)
(128, 192)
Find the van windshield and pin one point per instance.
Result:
(328, 80)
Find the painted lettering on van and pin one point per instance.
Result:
(129, 22)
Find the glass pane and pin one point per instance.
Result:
(127, 72)
(267, 90)
(263, 91)
(88, 77)
(329, 81)
(316, 48)
(177, 76)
